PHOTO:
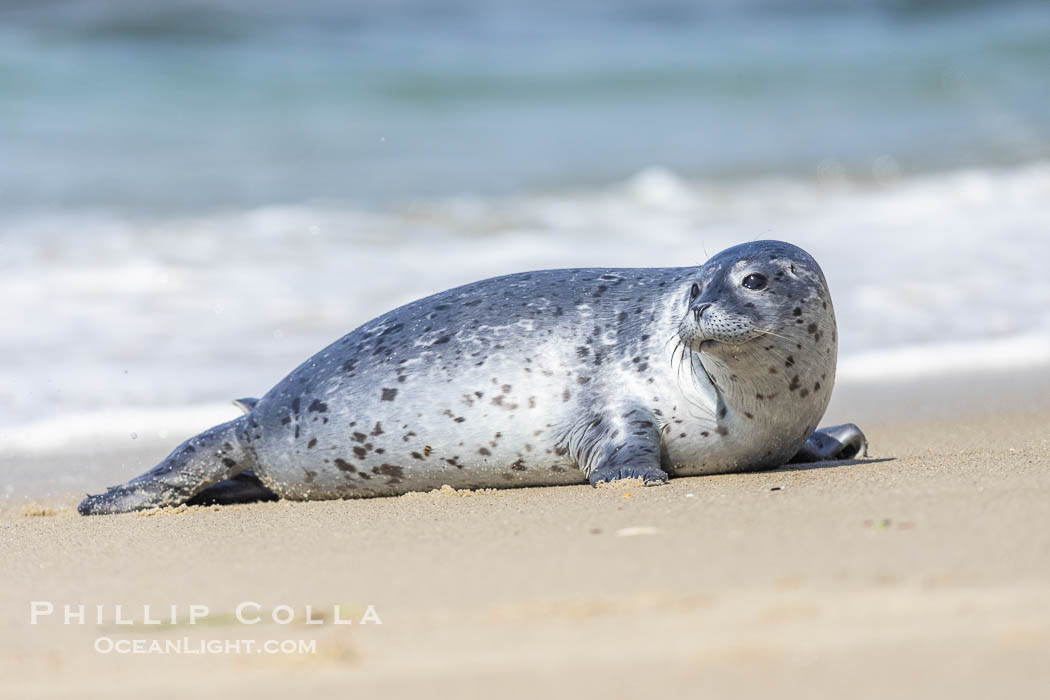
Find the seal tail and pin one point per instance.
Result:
(209, 458)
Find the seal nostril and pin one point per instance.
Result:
(699, 310)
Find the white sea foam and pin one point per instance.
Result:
(115, 325)
(948, 358)
(113, 428)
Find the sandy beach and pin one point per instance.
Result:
(199, 196)
(923, 571)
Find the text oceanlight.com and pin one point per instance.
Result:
(185, 645)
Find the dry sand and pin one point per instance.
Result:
(923, 572)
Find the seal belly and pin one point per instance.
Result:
(497, 428)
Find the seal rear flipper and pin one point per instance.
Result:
(209, 458)
(243, 488)
(837, 442)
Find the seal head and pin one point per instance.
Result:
(760, 325)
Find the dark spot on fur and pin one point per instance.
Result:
(312, 443)
(518, 466)
(722, 430)
(484, 451)
(394, 472)
(344, 465)
(295, 405)
(794, 384)
(797, 311)
(389, 394)
(811, 328)
(228, 462)
(360, 452)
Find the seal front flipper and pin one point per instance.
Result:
(837, 442)
(623, 444)
(246, 404)
(213, 456)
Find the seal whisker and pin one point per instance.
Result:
(775, 335)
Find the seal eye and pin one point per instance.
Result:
(755, 282)
(694, 291)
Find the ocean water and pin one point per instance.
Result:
(195, 197)
(195, 104)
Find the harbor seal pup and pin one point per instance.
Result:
(539, 378)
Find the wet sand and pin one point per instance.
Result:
(923, 571)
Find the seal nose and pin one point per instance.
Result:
(699, 310)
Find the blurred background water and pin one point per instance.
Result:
(195, 196)
(182, 105)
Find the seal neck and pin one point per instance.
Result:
(766, 387)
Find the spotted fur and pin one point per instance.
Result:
(540, 378)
